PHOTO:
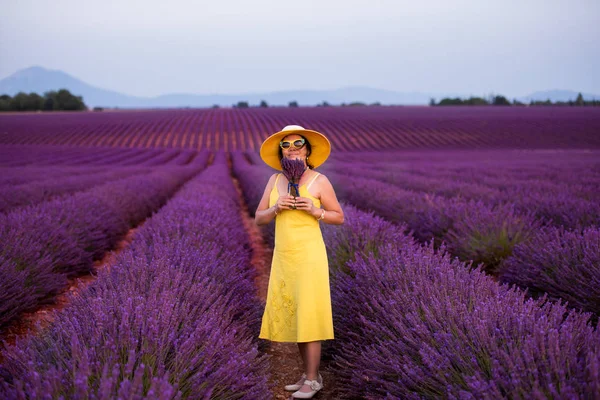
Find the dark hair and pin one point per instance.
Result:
(308, 150)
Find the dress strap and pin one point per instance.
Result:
(313, 179)
(275, 184)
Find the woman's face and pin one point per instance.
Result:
(292, 152)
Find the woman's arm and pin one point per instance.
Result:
(329, 202)
(265, 214)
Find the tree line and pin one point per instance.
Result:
(503, 101)
(61, 100)
(294, 103)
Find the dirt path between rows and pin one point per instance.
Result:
(286, 364)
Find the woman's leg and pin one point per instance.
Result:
(302, 349)
(312, 360)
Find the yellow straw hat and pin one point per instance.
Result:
(319, 145)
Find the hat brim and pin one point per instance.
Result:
(319, 145)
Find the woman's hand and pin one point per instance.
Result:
(285, 202)
(305, 204)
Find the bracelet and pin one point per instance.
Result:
(322, 215)
(275, 209)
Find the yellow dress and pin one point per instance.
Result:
(298, 307)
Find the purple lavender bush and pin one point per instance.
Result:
(560, 191)
(39, 191)
(183, 158)
(365, 236)
(252, 180)
(564, 264)
(12, 176)
(254, 158)
(487, 234)
(426, 217)
(413, 323)
(45, 243)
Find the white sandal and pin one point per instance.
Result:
(315, 385)
(297, 385)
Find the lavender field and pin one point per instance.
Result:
(348, 128)
(468, 266)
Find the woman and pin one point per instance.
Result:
(298, 307)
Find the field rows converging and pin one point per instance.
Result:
(349, 128)
(466, 267)
(174, 315)
(45, 243)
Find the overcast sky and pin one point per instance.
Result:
(148, 48)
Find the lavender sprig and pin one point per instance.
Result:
(293, 170)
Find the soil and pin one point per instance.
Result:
(286, 363)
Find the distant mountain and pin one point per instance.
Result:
(39, 80)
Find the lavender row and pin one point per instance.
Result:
(176, 316)
(475, 178)
(468, 156)
(489, 234)
(15, 156)
(253, 179)
(413, 323)
(472, 230)
(46, 243)
(570, 205)
(11, 176)
(20, 156)
(39, 191)
(183, 158)
(564, 264)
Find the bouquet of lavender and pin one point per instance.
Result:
(293, 170)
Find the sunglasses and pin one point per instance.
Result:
(298, 144)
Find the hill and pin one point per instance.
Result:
(39, 80)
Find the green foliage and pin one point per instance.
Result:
(293, 103)
(241, 104)
(476, 101)
(548, 102)
(500, 101)
(456, 101)
(446, 101)
(263, 104)
(61, 100)
(5, 102)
